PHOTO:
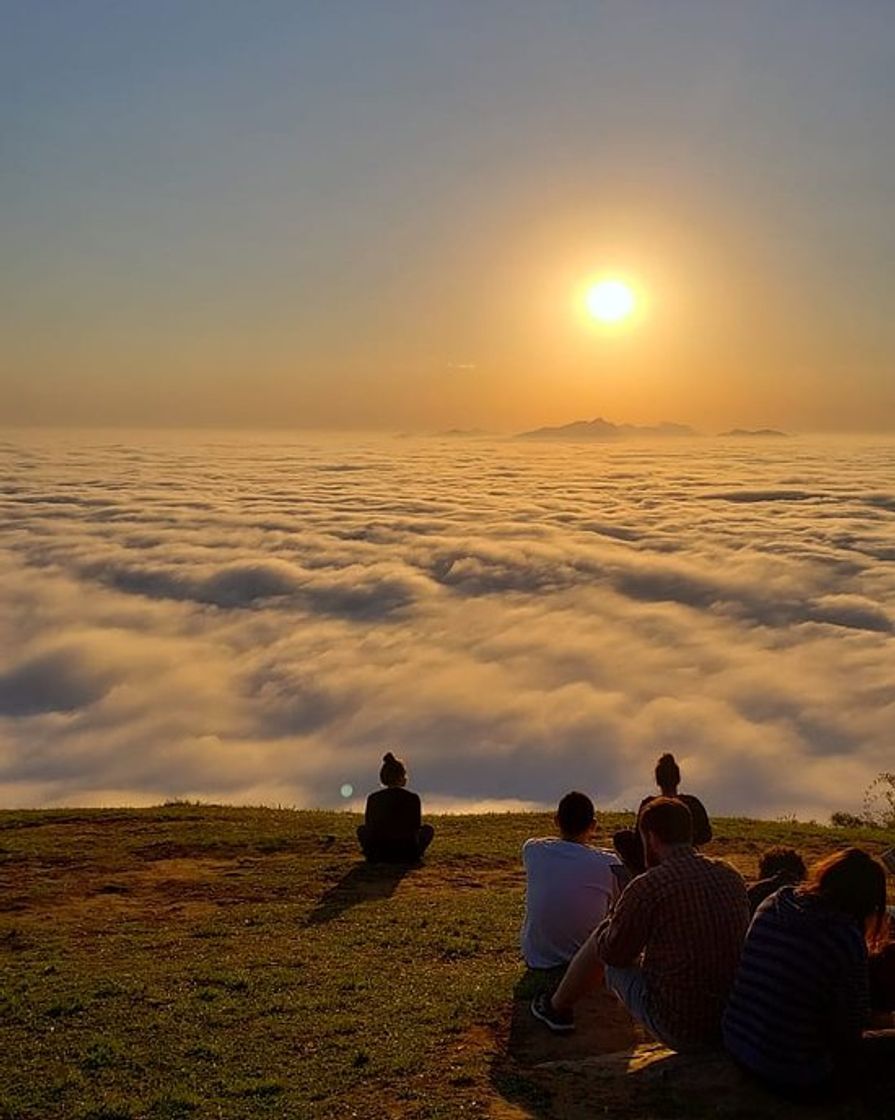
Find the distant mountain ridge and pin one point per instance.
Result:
(604, 430)
(740, 433)
(462, 433)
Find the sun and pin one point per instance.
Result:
(610, 300)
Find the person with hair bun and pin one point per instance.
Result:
(627, 842)
(393, 831)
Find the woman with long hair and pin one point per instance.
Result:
(801, 997)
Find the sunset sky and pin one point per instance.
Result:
(384, 214)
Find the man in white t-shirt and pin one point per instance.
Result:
(570, 886)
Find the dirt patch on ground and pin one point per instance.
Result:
(171, 849)
(144, 888)
(602, 1026)
(524, 1088)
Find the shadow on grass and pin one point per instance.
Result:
(365, 882)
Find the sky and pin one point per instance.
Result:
(381, 215)
(257, 620)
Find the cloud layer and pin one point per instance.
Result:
(258, 619)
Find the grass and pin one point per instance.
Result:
(212, 962)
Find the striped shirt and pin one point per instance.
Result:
(688, 917)
(801, 996)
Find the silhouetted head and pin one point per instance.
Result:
(665, 823)
(782, 861)
(668, 775)
(393, 772)
(853, 882)
(575, 817)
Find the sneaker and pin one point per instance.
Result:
(543, 1009)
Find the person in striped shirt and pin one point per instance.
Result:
(801, 997)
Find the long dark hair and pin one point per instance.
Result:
(852, 881)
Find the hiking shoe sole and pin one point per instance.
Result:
(540, 1008)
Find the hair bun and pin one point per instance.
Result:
(388, 757)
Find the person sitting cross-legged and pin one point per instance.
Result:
(569, 885)
(393, 831)
(669, 949)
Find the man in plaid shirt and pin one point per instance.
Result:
(670, 948)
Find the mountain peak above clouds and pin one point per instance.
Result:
(604, 430)
(741, 433)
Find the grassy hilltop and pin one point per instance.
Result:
(214, 962)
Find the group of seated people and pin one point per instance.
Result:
(787, 974)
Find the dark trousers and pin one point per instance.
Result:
(383, 849)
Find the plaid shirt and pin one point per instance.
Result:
(688, 917)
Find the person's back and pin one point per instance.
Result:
(690, 914)
(569, 889)
(801, 983)
(702, 826)
(393, 831)
(802, 993)
(779, 867)
(393, 814)
(764, 888)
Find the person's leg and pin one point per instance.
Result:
(629, 846)
(629, 985)
(368, 845)
(584, 974)
(424, 838)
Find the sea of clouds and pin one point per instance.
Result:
(256, 619)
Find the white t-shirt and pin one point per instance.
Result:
(569, 889)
